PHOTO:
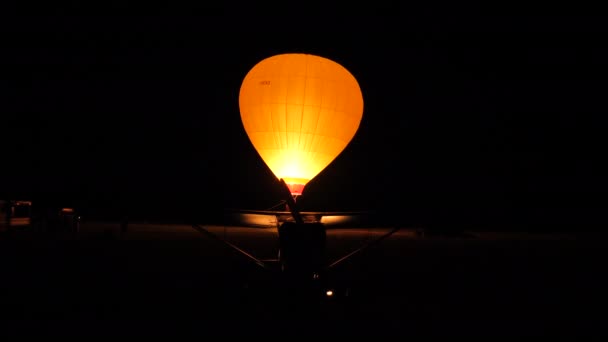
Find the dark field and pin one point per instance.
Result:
(170, 280)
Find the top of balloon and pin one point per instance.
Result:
(300, 111)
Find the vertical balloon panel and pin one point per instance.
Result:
(300, 112)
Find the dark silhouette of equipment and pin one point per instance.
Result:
(302, 259)
(302, 247)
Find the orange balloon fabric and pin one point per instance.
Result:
(300, 111)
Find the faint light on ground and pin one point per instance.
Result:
(336, 219)
(259, 220)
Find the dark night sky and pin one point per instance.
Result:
(479, 114)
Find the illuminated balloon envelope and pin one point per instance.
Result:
(300, 111)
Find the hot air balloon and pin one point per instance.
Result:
(300, 111)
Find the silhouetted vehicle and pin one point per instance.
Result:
(15, 213)
(54, 219)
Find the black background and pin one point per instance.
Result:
(473, 114)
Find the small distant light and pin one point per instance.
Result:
(315, 276)
(329, 293)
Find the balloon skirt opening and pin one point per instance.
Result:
(295, 189)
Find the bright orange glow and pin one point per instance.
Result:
(67, 210)
(329, 293)
(300, 111)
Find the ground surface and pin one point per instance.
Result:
(171, 280)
